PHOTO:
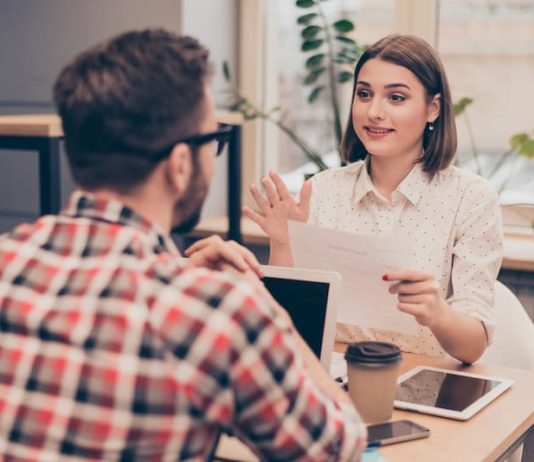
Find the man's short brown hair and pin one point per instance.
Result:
(127, 98)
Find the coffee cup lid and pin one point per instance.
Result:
(371, 352)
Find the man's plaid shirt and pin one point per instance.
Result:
(112, 347)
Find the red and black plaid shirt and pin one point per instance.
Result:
(113, 348)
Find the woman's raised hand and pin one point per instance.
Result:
(277, 206)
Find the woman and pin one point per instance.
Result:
(401, 140)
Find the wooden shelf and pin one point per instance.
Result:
(38, 125)
(250, 231)
(518, 252)
(230, 118)
(49, 125)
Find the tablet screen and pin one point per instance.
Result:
(443, 389)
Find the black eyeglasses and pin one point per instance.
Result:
(221, 136)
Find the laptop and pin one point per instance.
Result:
(311, 297)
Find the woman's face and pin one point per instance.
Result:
(390, 111)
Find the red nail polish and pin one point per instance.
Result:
(385, 277)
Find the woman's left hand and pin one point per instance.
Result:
(418, 295)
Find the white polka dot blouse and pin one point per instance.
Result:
(454, 220)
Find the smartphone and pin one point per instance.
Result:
(395, 432)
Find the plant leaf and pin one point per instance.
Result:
(344, 76)
(305, 3)
(313, 75)
(517, 140)
(346, 40)
(306, 18)
(344, 59)
(308, 45)
(315, 93)
(226, 71)
(527, 149)
(310, 32)
(460, 106)
(315, 60)
(343, 25)
(347, 53)
(250, 116)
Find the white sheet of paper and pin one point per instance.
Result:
(361, 260)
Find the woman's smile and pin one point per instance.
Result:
(377, 132)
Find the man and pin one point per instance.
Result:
(113, 346)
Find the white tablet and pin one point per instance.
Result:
(447, 393)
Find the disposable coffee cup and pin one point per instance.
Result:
(372, 369)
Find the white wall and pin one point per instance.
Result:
(38, 37)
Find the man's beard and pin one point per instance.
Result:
(188, 209)
(187, 225)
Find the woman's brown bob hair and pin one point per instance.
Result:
(416, 55)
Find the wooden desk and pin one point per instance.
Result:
(490, 435)
(41, 133)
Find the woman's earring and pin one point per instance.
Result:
(430, 127)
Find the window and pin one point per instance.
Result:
(487, 47)
(314, 121)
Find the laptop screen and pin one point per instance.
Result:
(306, 302)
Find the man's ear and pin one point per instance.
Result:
(179, 168)
(434, 108)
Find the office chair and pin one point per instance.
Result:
(513, 342)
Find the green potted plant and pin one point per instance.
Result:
(519, 145)
(330, 55)
(517, 213)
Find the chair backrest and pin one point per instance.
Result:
(513, 342)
